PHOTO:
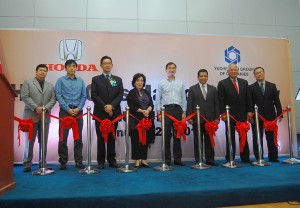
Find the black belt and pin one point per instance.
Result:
(172, 106)
(72, 106)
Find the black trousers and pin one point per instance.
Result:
(62, 145)
(272, 149)
(138, 151)
(101, 150)
(245, 155)
(176, 112)
(209, 150)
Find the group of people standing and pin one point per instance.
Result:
(107, 93)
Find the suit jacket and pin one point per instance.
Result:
(33, 96)
(238, 102)
(209, 107)
(104, 92)
(134, 104)
(266, 103)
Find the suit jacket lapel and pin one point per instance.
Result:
(37, 85)
(104, 80)
(258, 88)
(200, 91)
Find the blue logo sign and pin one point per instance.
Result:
(232, 55)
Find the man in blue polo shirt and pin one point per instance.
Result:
(71, 96)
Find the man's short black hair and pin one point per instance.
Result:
(136, 76)
(69, 62)
(105, 57)
(202, 70)
(41, 66)
(170, 63)
(259, 67)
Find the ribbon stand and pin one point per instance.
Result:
(200, 165)
(291, 160)
(127, 168)
(163, 166)
(231, 163)
(43, 170)
(89, 169)
(260, 162)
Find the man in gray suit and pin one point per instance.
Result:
(206, 97)
(36, 93)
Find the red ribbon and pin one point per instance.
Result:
(242, 128)
(68, 122)
(211, 128)
(143, 126)
(26, 126)
(272, 125)
(180, 126)
(107, 126)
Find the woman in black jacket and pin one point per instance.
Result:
(141, 106)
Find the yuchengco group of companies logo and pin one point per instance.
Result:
(232, 55)
(71, 49)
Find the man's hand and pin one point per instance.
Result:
(191, 121)
(108, 108)
(39, 109)
(159, 115)
(224, 117)
(183, 116)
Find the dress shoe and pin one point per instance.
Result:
(114, 165)
(168, 163)
(27, 169)
(63, 166)
(101, 166)
(274, 160)
(246, 161)
(211, 163)
(145, 165)
(80, 165)
(46, 167)
(179, 163)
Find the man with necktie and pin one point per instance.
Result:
(107, 93)
(233, 91)
(264, 94)
(206, 97)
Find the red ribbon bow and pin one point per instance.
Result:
(242, 128)
(25, 126)
(272, 126)
(68, 122)
(143, 126)
(106, 127)
(180, 126)
(211, 128)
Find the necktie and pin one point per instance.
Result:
(262, 88)
(235, 86)
(203, 91)
(107, 77)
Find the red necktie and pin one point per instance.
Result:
(235, 86)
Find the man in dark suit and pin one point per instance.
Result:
(233, 92)
(36, 93)
(206, 97)
(264, 94)
(107, 93)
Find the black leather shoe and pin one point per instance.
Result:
(274, 160)
(179, 163)
(246, 161)
(114, 165)
(211, 163)
(63, 166)
(101, 166)
(27, 169)
(168, 163)
(80, 166)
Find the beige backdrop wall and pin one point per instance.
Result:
(21, 51)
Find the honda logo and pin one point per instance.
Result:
(70, 49)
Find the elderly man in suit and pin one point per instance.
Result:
(36, 93)
(264, 94)
(233, 91)
(107, 93)
(206, 97)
